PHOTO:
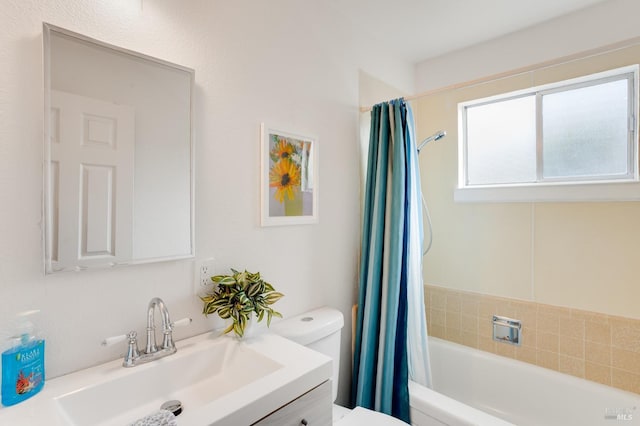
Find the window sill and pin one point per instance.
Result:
(558, 193)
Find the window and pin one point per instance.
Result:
(565, 141)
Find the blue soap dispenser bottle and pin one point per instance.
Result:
(22, 362)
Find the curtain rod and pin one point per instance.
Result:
(526, 69)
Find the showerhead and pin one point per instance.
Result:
(434, 137)
(441, 134)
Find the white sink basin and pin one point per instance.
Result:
(219, 380)
(195, 376)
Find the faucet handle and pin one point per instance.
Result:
(113, 340)
(132, 346)
(167, 341)
(132, 350)
(181, 322)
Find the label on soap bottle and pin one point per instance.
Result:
(22, 372)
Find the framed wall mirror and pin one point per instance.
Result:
(118, 155)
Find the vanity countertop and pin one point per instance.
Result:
(295, 370)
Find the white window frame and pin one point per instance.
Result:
(611, 188)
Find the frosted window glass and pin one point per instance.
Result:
(585, 131)
(501, 142)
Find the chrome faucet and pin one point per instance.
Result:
(151, 352)
(167, 340)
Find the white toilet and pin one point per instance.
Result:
(320, 330)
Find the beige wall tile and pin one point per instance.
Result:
(438, 317)
(526, 354)
(625, 360)
(528, 337)
(485, 328)
(521, 305)
(487, 345)
(470, 339)
(452, 320)
(438, 298)
(547, 359)
(427, 300)
(506, 349)
(597, 353)
(579, 314)
(593, 316)
(552, 310)
(625, 380)
(486, 308)
(453, 302)
(571, 365)
(453, 335)
(597, 373)
(548, 341)
(572, 327)
(438, 331)
(469, 323)
(577, 342)
(506, 310)
(528, 315)
(571, 347)
(599, 332)
(625, 334)
(469, 304)
(548, 322)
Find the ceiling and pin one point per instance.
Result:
(430, 28)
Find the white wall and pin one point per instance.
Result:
(600, 25)
(285, 62)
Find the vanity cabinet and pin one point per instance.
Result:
(313, 408)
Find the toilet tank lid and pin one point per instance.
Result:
(310, 326)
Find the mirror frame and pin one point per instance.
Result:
(47, 214)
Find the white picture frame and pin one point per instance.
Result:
(288, 177)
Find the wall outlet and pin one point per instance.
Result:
(204, 273)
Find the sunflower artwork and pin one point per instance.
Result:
(289, 162)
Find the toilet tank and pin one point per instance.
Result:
(318, 330)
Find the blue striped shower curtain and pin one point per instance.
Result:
(391, 336)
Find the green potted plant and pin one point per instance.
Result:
(238, 296)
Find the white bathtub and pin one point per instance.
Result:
(473, 387)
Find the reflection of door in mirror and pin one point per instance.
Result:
(92, 157)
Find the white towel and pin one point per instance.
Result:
(159, 418)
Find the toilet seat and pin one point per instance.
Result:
(360, 416)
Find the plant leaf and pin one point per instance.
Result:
(223, 280)
(273, 297)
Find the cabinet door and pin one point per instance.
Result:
(314, 408)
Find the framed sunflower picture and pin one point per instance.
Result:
(289, 178)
